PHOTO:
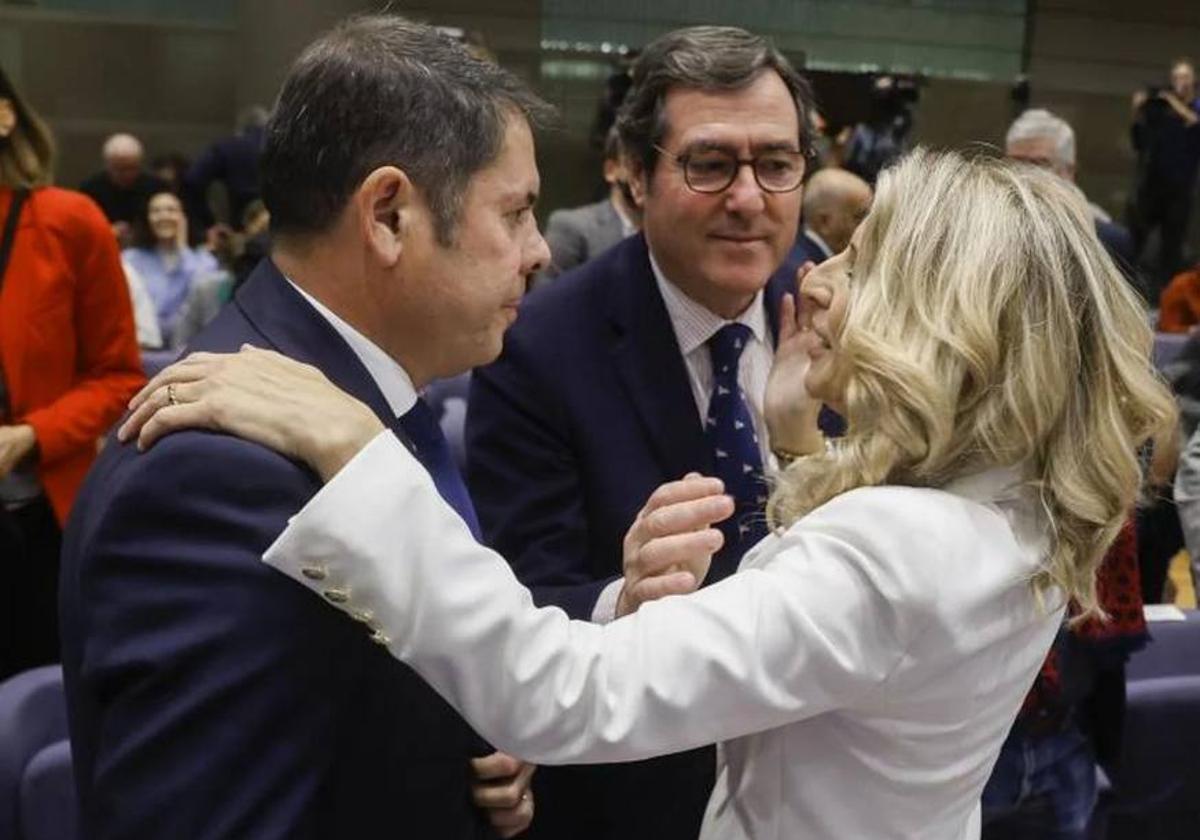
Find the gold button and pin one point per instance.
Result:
(378, 638)
(365, 616)
(337, 596)
(313, 572)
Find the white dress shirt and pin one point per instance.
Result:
(861, 669)
(393, 380)
(694, 324)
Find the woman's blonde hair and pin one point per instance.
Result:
(27, 154)
(986, 326)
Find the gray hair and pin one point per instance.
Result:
(710, 58)
(379, 90)
(1037, 123)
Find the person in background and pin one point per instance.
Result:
(835, 203)
(123, 187)
(161, 256)
(1179, 305)
(68, 366)
(578, 234)
(1166, 137)
(1044, 139)
(233, 163)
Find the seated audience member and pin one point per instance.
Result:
(123, 187)
(1179, 306)
(1044, 139)
(255, 244)
(835, 203)
(1187, 501)
(209, 292)
(145, 314)
(68, 365)
(163, 259)
(578, 234)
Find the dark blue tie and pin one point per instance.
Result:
(432, 450)
(736, 454)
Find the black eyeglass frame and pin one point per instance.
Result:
(805, 156)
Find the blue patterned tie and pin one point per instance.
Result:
(433, 451)
(736, 454)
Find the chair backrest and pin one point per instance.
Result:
(1174, 650)
(48, 807)
(33, 715)
(1157, 774)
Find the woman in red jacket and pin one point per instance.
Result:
(68, 364)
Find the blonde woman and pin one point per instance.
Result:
(864, 665)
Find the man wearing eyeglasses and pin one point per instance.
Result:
(645, 364)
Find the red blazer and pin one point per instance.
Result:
(67, 342)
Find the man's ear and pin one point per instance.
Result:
(386, 202)
(639, 180)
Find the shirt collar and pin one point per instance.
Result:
(694, 323)
(820, 243)
(392, 380)
(993, 484)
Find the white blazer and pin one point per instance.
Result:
(860, 671)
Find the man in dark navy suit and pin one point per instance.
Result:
(645, 364)
(835, 203)
(208, 696)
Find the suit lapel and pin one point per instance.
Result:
(647, 358)
(297, 330)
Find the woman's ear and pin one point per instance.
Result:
(385, 202)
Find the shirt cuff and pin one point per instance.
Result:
(605, 609)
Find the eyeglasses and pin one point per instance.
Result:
(713, 170)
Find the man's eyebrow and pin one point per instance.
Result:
(520, 197)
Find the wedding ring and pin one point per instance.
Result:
(171, 400)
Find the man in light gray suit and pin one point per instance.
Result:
(577, 234)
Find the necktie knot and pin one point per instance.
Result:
(726, 346)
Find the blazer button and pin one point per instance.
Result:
(314, 572)
(365, 616)
(336, 596)
(378, 638)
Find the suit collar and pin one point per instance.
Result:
(294, 328)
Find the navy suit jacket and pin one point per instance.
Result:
(208, 695)
(807, 249)
(586, 412)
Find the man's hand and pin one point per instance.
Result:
(790, 413)
(16, 442)
(502, 791)
(671, 543)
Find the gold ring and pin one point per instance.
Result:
(171, 400)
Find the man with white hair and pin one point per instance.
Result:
(1047, 140)
(835, 203)
(124, 187)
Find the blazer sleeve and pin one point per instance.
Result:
(107, 363)
(208, 665)
(816, 628)
(525, 483)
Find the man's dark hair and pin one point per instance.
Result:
(379, 90)
(709, 58)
